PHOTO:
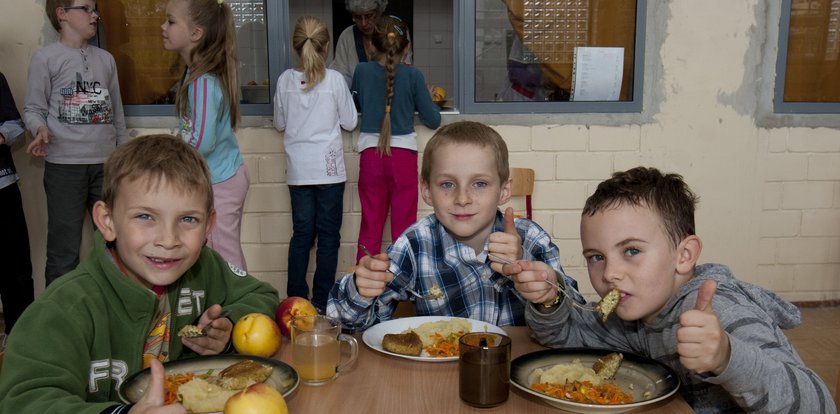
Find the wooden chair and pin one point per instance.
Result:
(522, 185)
(837, 390)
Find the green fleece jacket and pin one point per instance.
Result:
(75, 345)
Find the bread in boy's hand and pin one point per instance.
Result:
(190, 331)
(608, 304)
(408, 343)
(606, 366)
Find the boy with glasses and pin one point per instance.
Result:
(73, 109)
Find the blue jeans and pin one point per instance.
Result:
(317, 211)
(71, 190)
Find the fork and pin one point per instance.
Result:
(206, 328)
(411, 291)
(560, 288)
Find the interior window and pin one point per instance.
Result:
(809, 57)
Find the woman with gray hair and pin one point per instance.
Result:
(354, 45)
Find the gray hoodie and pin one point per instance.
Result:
(765, 374)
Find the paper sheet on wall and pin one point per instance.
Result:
(597, 73)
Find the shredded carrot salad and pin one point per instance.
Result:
(174, 381)
(444, 346)
(170, 387)
(585, 392)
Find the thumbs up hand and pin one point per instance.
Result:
(154, 398)
(505, 244)
(702, 344)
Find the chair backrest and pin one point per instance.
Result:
(522, 185)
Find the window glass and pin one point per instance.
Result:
(526, 50)
(813, 52)
(488, 55)
(131, 31)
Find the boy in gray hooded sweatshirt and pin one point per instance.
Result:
(722, 336)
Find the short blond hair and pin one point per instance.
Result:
(157, 157)
(471, 133)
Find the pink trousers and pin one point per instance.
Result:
(386, 182)
(229, 201)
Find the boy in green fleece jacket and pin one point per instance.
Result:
(147, 276)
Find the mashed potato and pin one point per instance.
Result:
(563, 373)
(200, 396)
(427, 330)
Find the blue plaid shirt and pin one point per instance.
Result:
(426, 255)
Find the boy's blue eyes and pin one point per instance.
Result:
(448, 185)
(631, 251)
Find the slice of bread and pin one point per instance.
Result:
(408, 343)
(606, 366)
(243, 374)
(608, 304)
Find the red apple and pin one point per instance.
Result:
(259, 398)
(291, 308)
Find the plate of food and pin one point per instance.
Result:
(424, 338)
(204, 384)
(583, 380)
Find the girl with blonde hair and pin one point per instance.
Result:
(312, 104)
(388, 93)
(207, 102)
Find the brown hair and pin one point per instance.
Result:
(666, 194)
(311, 41)
(51, 7)
(157, 157)
(390, 38)
(215, 53)
(467, 133)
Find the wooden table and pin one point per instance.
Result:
(380, 383)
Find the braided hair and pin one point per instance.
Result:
(390, 38)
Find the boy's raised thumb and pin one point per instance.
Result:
(704, 296)
(154, 393)
(509, 226)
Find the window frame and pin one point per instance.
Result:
(464, 11)
(779, 104)
(464, 60)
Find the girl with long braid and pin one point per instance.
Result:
(388, 92)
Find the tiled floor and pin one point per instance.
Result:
(817, 340)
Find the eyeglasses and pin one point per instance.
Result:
(87, 9)
(360, 18)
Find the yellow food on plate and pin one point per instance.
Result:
(440, 338)
(568, 372)
(200, 396)
(575, 382)
(430, 332)
(208, 392)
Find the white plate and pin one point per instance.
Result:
(373, 335)
(645, 374)
(283, 377)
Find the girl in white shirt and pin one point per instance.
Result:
(312, 104)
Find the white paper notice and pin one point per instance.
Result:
(597, 74)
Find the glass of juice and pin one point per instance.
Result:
(316, 348)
